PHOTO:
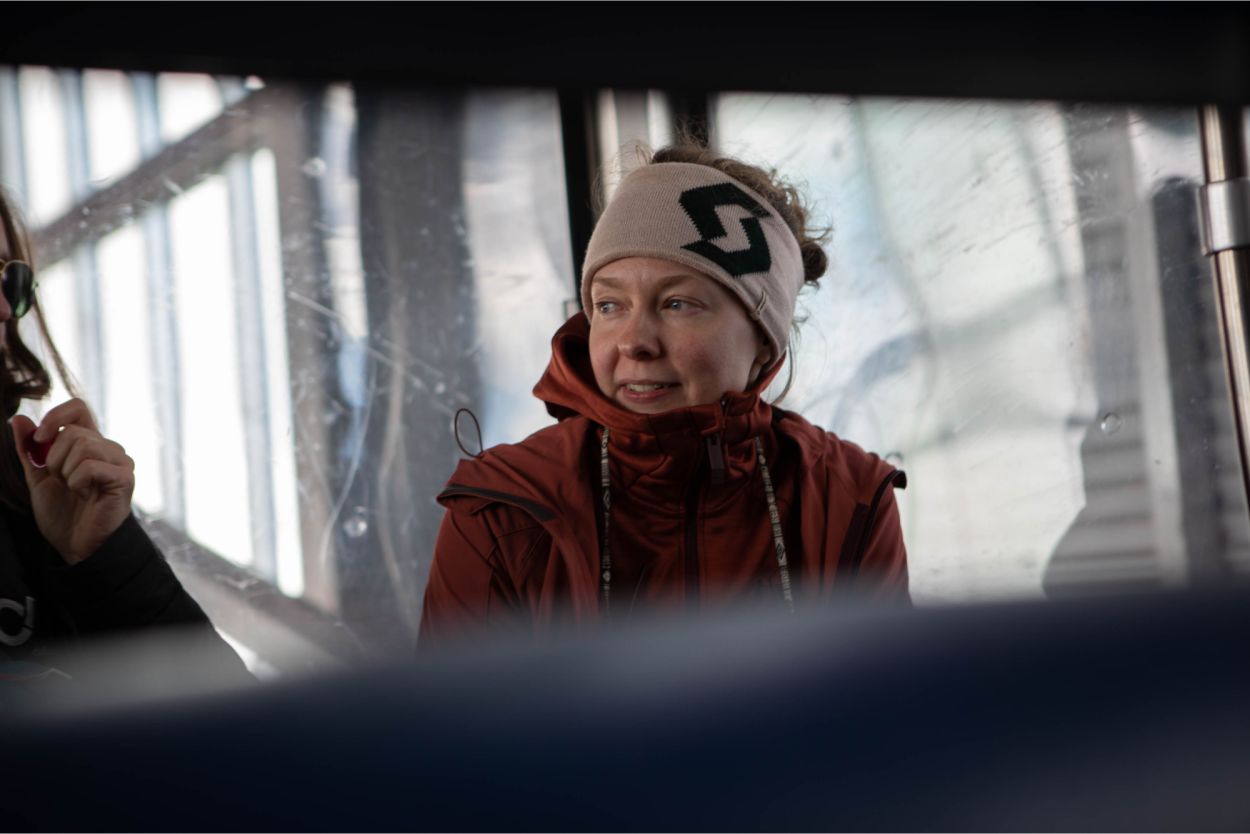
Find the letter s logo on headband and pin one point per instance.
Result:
(701, 203)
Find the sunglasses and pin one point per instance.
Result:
(17, 282)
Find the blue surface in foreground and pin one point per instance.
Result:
(1097, 715)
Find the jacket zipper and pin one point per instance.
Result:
(692, 543)
(716, 464)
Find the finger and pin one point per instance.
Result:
(58, 449)
(72, 413)
(23, 427)
(84, 449)
(96, 475)
(68, 436)
(74, 445)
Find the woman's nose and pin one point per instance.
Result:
(639, 339)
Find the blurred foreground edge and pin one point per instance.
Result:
(1160, 52)
(1104, 714)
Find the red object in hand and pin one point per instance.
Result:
(39, 454)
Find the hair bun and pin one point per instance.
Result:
(815, 261)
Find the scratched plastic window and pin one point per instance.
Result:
(1019, 312)
(276, 296)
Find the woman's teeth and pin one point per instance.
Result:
(656, 387)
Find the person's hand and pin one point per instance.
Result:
(82, 495)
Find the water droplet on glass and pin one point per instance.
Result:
(315, 167)
(355, 527)
(1111, 423)
(440, 388)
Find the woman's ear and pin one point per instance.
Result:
(765, 353)
(762, 358)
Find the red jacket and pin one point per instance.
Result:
(519, 545)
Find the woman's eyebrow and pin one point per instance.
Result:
(667, 281)
(606, 280)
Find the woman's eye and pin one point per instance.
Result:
(605, 307)
(677, 304)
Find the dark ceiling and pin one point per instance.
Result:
(1096, 52)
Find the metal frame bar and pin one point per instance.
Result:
(165, 358)
(1224, 158)
(581, 166)
(253, 382)
(12, 145)
(287, 122)
(692, 110)
(86, 271)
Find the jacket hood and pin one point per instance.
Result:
(568, 388)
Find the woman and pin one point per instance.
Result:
(74, 562)
(670, 486)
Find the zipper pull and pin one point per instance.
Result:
(717, 456)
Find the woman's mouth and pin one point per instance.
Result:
(641, 393)
(648, 386)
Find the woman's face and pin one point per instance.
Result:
(664, 336)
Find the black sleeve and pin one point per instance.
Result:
(125, 585)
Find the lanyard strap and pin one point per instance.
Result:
(605, 552)
(778, 541)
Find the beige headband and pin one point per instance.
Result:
(706, 220)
